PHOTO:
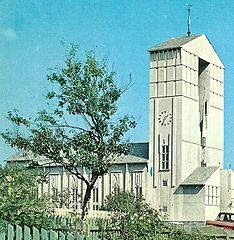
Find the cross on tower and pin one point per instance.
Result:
(188, 22)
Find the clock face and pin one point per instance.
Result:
(164, 118)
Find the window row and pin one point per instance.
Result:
(212, 191)
(210, 200)
(165, 54)
(212, 195)
(187, 59)
(67, 190)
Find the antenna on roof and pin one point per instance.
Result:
(188, 22)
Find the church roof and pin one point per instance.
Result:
(174, 43)
(140, 149)
(199, 176)
(138, 154)
(130, 160)
(23, 156)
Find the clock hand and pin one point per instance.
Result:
(164, 119)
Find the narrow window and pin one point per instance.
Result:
(156, 56)
(164, 183)
(165, 157)
(95, 199)
(170, 54)
(206, 108)
(54, 192)
(164, 208)
(54, 181)
(54, 184)
(152, 56)
(75, 197)
(178, 54)
(161, 55)
(138, 184)
(138, 192)
(115, 178)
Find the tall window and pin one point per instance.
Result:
(138, 186)
(165, 157)
(75, 197)
(136, 183)
(54, 192)
(95, 198)
(54, 184)
(115, 182)
(74, 193)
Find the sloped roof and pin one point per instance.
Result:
(140, 149)
(138, 154)
(199, 176)
(23, 156)
(174, 43)
(130, 160)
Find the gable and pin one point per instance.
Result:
(201, 47)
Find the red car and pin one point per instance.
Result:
(224, 220)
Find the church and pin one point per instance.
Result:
(180, 171)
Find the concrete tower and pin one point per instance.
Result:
(186, 115)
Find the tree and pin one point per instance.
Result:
(132, 217)
(19, 202)
(80, 129)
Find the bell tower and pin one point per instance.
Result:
(186, 113)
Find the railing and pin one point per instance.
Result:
(15, 232)
(93, 230)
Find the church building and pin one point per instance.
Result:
(180, 171)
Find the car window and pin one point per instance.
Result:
(220, 217)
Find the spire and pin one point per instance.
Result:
(188, 22)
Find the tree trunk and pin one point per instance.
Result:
(85, 202)
(87, 196)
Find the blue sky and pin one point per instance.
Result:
(30, 42)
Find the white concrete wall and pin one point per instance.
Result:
(127, 176)
(189, 204)
(212, 196)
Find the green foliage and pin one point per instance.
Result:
(178, 233)
(61, 199)
(19, 201)
(132, 217)
(81, 128)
